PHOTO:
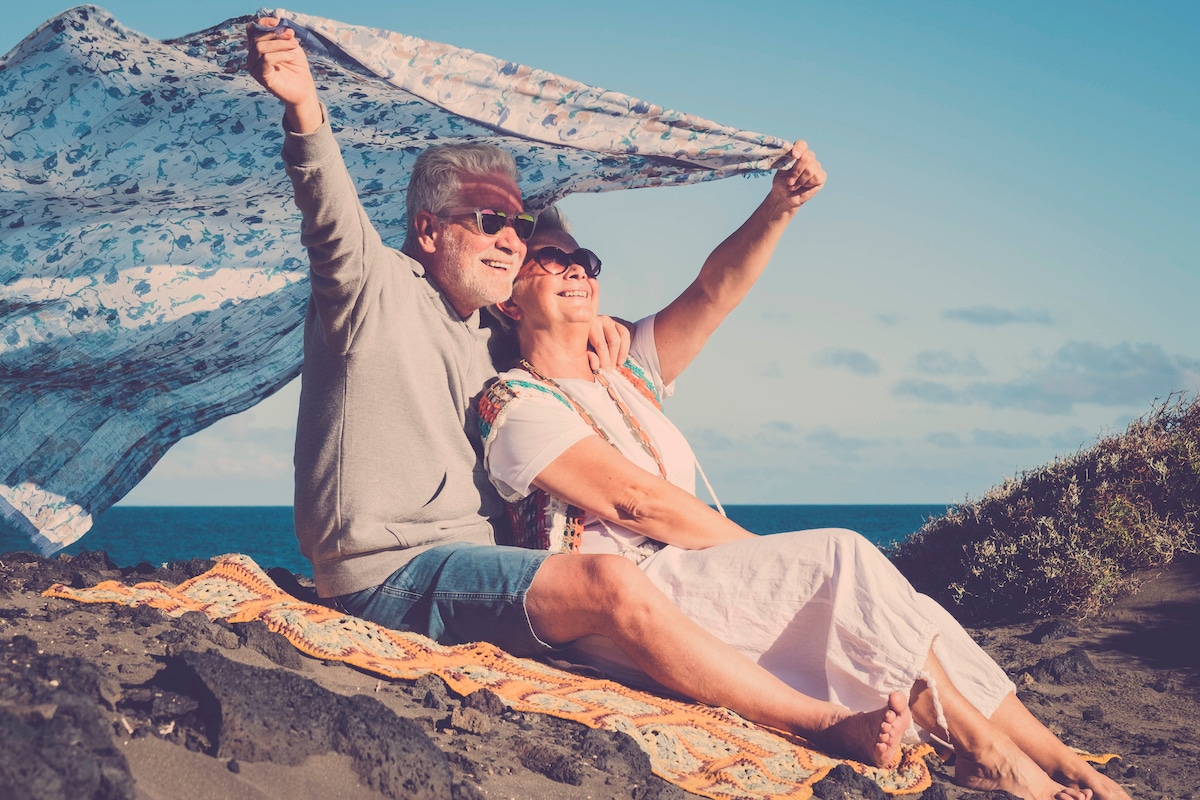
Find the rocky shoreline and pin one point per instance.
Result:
(106, 701)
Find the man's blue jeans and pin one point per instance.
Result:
(458, 593)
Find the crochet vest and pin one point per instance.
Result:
(541, 521)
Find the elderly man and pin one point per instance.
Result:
(393, 507)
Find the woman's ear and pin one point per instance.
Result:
(510, 309)
(424, 225)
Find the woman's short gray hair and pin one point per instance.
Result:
(551, 218)
(437, 172)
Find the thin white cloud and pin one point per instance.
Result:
(855, 361)
(829, 439)
(944, 363)
(992, 316)
(1080, 372)
(709, 439)
(1073, 438)
(1085, 372)
(1003, 439)
(944, 439)
(928, 392)
(772, 435)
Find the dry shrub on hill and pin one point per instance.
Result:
(1065, 538)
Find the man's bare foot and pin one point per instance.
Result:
(1003, 766)
(872, 737)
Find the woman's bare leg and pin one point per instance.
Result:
(579, 595)
(1059, 761)
(986, 756)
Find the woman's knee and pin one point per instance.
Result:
(841, 543)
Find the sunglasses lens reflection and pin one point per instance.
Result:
(524, 224)
(493, 222)
(588, 260)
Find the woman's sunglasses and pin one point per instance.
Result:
(557, 261)
(491, 222)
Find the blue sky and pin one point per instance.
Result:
(1003, 266)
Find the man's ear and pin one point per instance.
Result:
(510, 309)
(425, 224)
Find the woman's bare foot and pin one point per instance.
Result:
(1085, 776)
(872, 737)
(1003, 766)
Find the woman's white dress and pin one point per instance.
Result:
(824, 610)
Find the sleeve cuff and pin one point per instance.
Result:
(301, 149)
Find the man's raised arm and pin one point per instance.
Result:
(341, 242)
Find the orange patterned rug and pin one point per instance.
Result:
(704, 750)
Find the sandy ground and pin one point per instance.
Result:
(110, 702)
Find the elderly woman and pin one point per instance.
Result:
(589, 464)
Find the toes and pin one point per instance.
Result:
(1069, 793)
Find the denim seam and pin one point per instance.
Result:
(527, 581)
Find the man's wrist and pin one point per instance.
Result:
(304, 117)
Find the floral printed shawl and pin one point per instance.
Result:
(151, 276)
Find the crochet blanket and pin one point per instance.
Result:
(151, 275)
(708, 751)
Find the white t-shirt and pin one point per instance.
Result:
(537, 427)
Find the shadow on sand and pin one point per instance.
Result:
(1161, 625)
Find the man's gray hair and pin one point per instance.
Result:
(435, 179)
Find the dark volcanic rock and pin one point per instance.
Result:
(275, 646)
(616, 753)
(253, 714)
(54, 738)
(842, 781)
(486, 701)
(1052, 630)
(555, 765)
(470, 720)
(935, 792)
(157, 705)
(1073, 666)
(658, 789)
(431, 691)
(145, 616)
(171, 574)
(94, 559)
(466, 791)
(198, 626)
(289, 582)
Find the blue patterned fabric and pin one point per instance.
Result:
(151, 276)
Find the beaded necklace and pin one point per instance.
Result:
(630, 421)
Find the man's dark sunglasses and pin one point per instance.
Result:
(557, 261)
(490, 222)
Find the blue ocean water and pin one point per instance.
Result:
(160, 534)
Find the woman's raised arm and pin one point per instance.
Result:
(682, 328)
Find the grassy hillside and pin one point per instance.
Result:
(1065, 538)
